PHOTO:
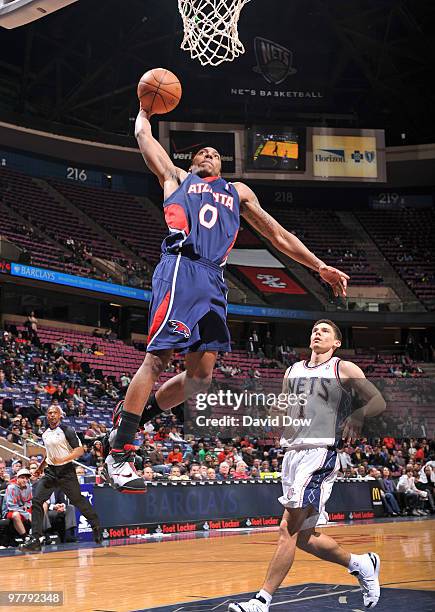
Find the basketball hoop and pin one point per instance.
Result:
(210, 29)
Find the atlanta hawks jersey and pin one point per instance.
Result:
(203, 218)
(317, 404)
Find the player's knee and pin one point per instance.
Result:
(205, 381)
(155, 365)
(16, 516)
(201, 381)
(302, 541)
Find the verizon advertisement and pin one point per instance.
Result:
(272, 280)
(184, 144)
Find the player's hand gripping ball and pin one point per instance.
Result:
(159, 91)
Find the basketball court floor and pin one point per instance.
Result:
(201, 574)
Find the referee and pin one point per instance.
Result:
(62, 447)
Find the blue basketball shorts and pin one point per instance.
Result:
(188, 309)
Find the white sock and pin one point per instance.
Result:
(355, 563)
(265, 595)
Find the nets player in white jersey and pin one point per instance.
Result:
(319, 389)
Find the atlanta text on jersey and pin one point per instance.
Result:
(219, 198)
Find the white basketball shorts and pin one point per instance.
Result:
(307, 479)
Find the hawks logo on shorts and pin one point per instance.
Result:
(180, 328)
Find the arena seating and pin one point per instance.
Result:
(142, 230)
(123, 215)
(27, 198)
(118, 357)
(324, 234)
(406, 239)
(41, 252)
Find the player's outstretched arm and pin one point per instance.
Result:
(284, 241)
(155, 156)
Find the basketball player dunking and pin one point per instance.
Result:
(189, 294)
(311, 463)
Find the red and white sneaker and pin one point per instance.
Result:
(121, 473)
(110, 436)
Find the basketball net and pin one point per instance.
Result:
(210, 29)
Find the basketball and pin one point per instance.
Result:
(159, 91)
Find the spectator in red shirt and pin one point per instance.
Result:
(390, 443)
(93, 431)
(241, 472)
(50, 388)
(160, 435)
(70, 390)
(20, 340)
(18, 501)
(245, 442)
(175, 456)
(74, 366)
(226, 454)
(419, 454)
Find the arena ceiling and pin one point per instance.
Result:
(363, 63)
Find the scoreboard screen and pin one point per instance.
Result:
(277, 149)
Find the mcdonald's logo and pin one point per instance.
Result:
(376, 494)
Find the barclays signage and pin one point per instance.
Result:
(92, 284)
(81, 282)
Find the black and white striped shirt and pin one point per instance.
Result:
(59, 443)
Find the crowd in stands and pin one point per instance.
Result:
(404, 467)
(71, 245)
(403, 471)
(132, 273)
(137, 274)
(405, 238)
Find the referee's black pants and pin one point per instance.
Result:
(61, 477)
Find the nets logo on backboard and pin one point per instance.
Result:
(274, 61)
